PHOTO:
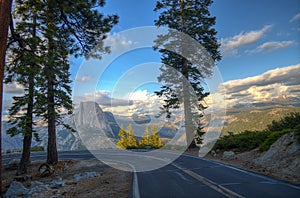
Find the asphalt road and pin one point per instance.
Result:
(188, 176)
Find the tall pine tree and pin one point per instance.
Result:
(23, 67)
(63, 29)
(70, 28)
(190, 17)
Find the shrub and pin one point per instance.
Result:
(273, 137)
(244, 141)
(291, 121)
(37, 148)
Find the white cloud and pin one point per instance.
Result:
(295, 18)
(138, 102)
(272, 46)
(118, 42)
(277, 83)
(103, 98)
(230, 45)
(83, 79)
(13, 88)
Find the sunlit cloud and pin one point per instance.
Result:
(118, 42)
(83, 79)
(295, 18)
(229, 46)
(13, 88)
(272, 46)
(277, 83)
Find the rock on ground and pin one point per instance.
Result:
(283, 156)
(16, 189)
(228, 155)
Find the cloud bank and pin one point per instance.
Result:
(276, 83)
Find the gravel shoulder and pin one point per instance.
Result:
(109, 183)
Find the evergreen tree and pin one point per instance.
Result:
(155, 137)
(190, 17)
(64, 28)
(71, 28)
(145, 141)
(23, 68)
(131, 140)
(122, 143)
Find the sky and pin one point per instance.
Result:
(260, 46)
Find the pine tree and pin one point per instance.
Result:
(155, 137)
(146, 139)
(65, 28)
(190, 17)
(131, 140)
(23, 67)
(122, 143)
(71, 27)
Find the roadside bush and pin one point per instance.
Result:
(37, 148)
(291, 121)
(273, 137)
(244, 141)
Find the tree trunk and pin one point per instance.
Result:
(52, 157)
(5, 10)
(189, 125)
(25, 159)
(188, 117)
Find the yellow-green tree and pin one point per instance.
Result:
(155, 137)
(123, 142)
(146, 139)
(131, 140)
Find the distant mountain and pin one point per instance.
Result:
(90, 121)
(91, 116)
(254, 118)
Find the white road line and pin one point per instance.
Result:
(224, 191)
(181, 176)
(269, 180)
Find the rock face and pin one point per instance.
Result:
(283, 154)
(90, 115)
(93, 128)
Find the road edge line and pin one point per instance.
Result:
(224, 191)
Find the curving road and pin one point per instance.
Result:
(187, 176)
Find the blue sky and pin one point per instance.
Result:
(260, 39)
(234, 17)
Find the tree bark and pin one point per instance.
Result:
(5, 10)
(25, 159)
(52, 156)
(189, 125)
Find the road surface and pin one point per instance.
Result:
(187, 176)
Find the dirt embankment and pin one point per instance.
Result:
(109, 182)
